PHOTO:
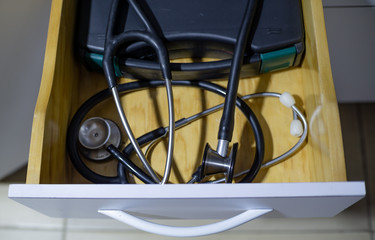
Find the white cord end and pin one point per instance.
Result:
(287, 99)
(296, 128)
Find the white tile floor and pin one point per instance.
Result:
(357, 222)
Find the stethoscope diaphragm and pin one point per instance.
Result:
(95, 134)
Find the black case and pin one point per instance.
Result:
(197, 29)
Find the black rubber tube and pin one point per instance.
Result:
(114, 42)
(122, 173)
(129, 165)
(140, 12)
(121, 40)
(227, 120)
(72, 135)
(148, 137)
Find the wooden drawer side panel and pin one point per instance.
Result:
(47, 157)
(325, 139)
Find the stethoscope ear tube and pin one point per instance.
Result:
(227, 119)
(126, 38)
(112, 44)
(129, 165)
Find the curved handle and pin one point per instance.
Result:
(185, 231)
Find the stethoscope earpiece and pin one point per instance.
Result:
(287, 99)
(296, 128)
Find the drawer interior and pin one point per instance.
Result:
(66, 84)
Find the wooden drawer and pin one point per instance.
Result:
(66, 84)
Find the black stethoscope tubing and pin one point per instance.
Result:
(73, 130)
(226, 126)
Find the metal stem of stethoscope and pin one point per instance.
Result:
(131, 136)
(150, 37)
(137, 148)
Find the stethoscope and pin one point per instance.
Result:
(99, 138)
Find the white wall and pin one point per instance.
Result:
(351, 38)
(23, 31)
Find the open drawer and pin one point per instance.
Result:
(311, 183)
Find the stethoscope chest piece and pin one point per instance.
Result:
(213, 163)
(95, 134)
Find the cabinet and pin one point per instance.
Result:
(351, 48)
(24, 31)
(312, 183)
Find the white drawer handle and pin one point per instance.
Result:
(185, 231)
